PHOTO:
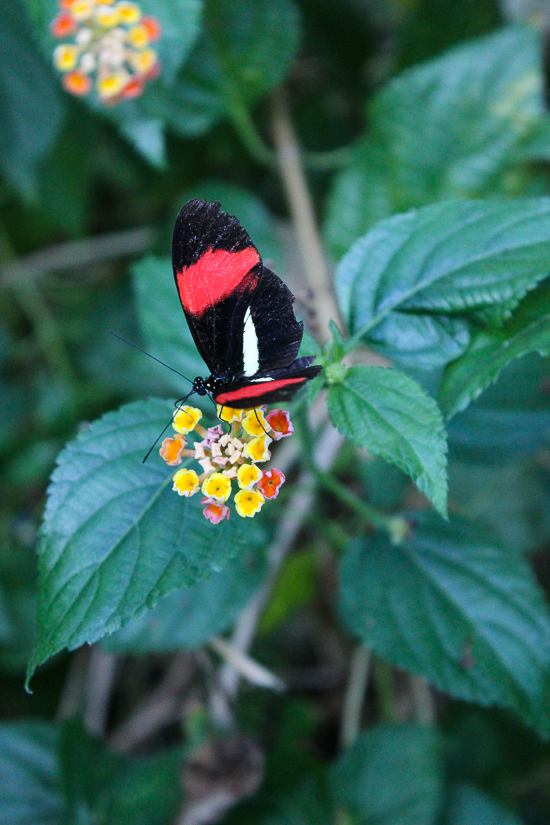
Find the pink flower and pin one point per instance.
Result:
(280, 423)
(270, 483)
(215, 511)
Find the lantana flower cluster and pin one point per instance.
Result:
(110, 44)
(226, 457)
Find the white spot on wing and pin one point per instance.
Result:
(251, 357)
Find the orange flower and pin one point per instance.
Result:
(152, 25)
(280, 423)
(77, 83)
(172, 448)
(63, 24)
(270, 483)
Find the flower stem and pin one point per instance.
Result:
(365, 511)
(355, 695)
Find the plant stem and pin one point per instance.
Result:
(423, 704)
(365, 511)
(355, 695)
(303, 216)
(385, 693)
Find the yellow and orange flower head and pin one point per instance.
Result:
(224, 454)
(110, 50)
(280, 424)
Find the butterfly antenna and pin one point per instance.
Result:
(135, 346)
(176, 411)
(259, 422)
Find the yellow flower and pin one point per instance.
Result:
(138, 37)
(143, 62)
(217, 486)
(229, 414)
(111, 85)
(82, 9)
(107, 16)
(248, 475)
(248, 503)
(257, 448)
(254, 423)
(186, 483)
(128, 12)
(186, 419)
(65, 57)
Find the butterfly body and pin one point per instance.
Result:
(239, 312)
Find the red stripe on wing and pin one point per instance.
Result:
(215, 275)
(253, 390)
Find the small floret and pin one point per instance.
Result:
(63, 24)
(254, 423)
(172, 448)
(214, 510)
(257, 449)
(248, 503)
(248, 475)
(217, 486)
(128, 12)
(229, 414)
(280, 423)
(65, 57)
(77, 83)
(271, 482)
(186, 419)
(186, 483)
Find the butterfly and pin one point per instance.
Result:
(239, 312)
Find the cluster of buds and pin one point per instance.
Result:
(110, 43)
(225, 457)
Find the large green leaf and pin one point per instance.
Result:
(29, 784)
(511, 419)
(31, 107)
(453, 606)
(444, 129)
(390, 415)
(416, 281)
(391, 776)
(246, 50)
(115, 536)
(188, 618)
(491, 350)
(469, 806)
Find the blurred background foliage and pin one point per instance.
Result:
(88, 198)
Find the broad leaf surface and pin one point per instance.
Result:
(31, 106)
(191, 616)
(391, 776)
(468, 806)
(447, 128)
(511, 419)
(453, 606)
(245, 50)
(389, 414)
(29, 783)
(115, 535)
(492, 349)
(416, 281)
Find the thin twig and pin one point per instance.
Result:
(72, 694)
(303, 216)
(422, 700)
(355, 695)
(246, 666)
(102, 667)
(78, 254)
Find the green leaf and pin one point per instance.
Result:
(163, 323)
(246, 49)
(451, 605)
(116, 537)
(389, 414)
(469, 806)
(447, 128)
(391, 776)
(294, 589)
(491, 350)
(190, 617)
(29, 784)
(416, 282)
(32, 111)
(510, 421)
(181, 23)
